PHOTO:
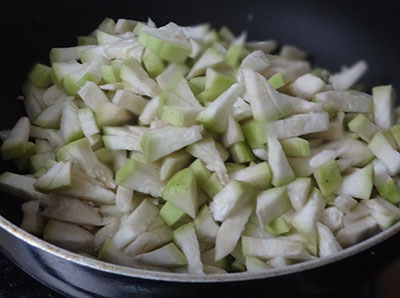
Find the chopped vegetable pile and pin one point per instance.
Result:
(191, 150)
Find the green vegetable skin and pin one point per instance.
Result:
(194, 151)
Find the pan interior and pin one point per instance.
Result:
(339, 35)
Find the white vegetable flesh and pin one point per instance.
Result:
(189, 150)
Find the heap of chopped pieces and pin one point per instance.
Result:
(191, 150)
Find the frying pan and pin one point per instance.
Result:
(336, 33)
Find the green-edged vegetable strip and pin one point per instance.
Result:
(191, 150)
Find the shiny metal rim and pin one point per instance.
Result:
(176, 277)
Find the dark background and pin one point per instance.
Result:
(335, 33)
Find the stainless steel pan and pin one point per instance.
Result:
(335, 33)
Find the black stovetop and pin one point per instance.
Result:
(14, 283)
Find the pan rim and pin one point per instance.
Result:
(56, 251)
